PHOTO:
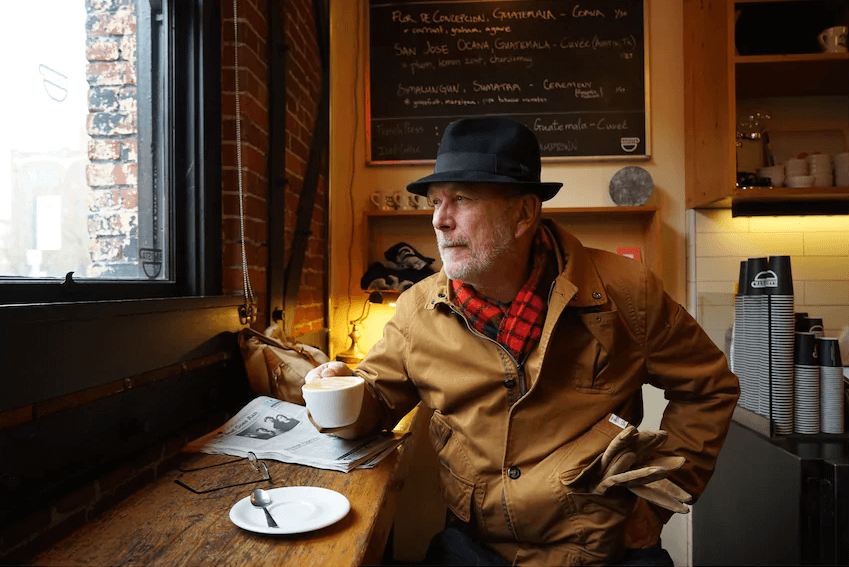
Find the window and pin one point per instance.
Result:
(109, 150)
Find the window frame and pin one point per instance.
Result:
(63, 339)
(190, 160)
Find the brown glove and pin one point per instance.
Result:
(629, 462)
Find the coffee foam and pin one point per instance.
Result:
(333, 383)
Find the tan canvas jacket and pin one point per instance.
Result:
(512, 436)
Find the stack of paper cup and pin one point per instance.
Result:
(743, 336)
(820, 166)
(776, 394)
(807, 385)
(841, 169)
(752, 342)
(831, 385)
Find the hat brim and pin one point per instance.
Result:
(544, 190)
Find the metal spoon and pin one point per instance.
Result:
(261, 499)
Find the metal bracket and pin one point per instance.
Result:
(247, 313)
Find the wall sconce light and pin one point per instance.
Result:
(354, 355)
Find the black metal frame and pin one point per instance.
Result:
(190, 136)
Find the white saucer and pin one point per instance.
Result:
(296, 509)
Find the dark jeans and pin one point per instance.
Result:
(452, 547)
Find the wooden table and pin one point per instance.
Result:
(166, 524)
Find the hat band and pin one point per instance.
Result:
(475, 161)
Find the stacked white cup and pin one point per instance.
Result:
(796, 173)
(820, 167)
(841, 169)
(775, 173)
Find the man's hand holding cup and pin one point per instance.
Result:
(333, 397)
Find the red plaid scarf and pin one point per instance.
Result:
(516, 325)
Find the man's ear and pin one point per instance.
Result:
(529, 208)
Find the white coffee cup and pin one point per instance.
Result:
(334, 401)
(833, 40)
(382, 200)
(403, 201)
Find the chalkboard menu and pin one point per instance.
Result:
(574, 72)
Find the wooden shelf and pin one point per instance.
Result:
(811, 74)
(738, 2)
(790, 58)
(778, 40)
(796, 197)
(598, 227)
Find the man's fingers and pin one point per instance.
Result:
(326, 370)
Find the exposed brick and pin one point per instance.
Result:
(108, 174)
(102, 49)
(107, 248)
(103, 99)
(33, 523)
(111, 199)
(129, 47)
(111, 124)
(99, 150)
(130, 149)
(121, 22)
(113, 224)
(111, 479)
(80, 497)
(128, 100)
(111, 73)
(108, 5)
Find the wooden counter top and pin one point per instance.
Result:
(166, 524)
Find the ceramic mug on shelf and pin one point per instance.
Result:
(403, 201)
(421, 202)
(833, 40)
(382, 200)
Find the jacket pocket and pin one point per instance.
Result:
(456, 476)
(599, 519)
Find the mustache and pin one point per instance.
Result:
(448, 243)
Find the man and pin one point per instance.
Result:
(532, 351)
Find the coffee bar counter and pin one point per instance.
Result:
(164, 523)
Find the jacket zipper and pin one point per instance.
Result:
(520, 366)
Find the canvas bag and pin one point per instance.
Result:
(275, 367)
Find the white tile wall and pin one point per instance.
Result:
(819, 251)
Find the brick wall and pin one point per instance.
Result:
(302, 88)
(112, 124)
(112, 178)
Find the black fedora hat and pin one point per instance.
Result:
(488, 149)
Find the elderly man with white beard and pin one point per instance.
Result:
(532, 351)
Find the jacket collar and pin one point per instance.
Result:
(577, 273)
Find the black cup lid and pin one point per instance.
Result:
(779, 269)
(812, 324)
(742, 284)
(756, 276)
(828, 349)
(805, 349)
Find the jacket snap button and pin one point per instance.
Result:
(596, 295)
(510, 383)
(514, 472)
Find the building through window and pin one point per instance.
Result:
(83, 162)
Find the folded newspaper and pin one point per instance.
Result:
(281, 431)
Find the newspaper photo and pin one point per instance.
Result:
(281, 431)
